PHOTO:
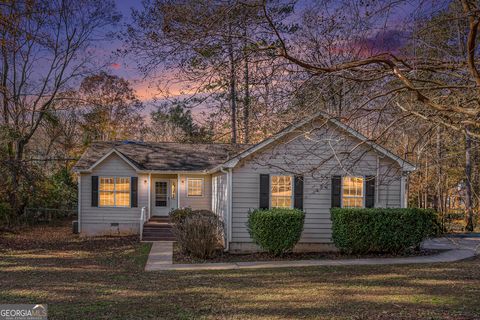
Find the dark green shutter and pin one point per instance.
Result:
(369, 191)
(134, 192)
(298, 192)
(336, 191)
(94, 191)
(264, 191)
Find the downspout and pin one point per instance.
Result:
(403, 202)
(79, 202)
(229, 207)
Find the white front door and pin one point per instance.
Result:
(160, 197)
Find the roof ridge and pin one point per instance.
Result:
(169, 142)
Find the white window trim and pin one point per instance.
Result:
(363, 191)
(292, 182)
(115, 191)
(203, 187)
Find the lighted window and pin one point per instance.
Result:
(281, 192)
(352, 194)
(114, 192)
(195, 187)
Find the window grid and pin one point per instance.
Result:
(161, 193)
(195, 187)
(281, 192)
(114, 192)
(352, 192)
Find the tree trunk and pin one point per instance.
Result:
(468, 181)
(233, 93)
(246, 101)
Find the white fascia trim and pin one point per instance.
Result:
(203, 172)
(234, 161)
(405, 165)
(113, 150)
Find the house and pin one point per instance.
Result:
(313, 165)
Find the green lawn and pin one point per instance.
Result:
(103, 278)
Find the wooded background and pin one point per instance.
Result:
(404, 74)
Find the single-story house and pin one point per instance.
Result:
(314, 165)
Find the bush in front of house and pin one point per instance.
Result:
(387, 230)
(178, 215)
(198, 232)
(276, 230)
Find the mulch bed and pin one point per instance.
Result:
(225, 257)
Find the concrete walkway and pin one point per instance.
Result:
(160, 258)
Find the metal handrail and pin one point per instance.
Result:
(142, 221)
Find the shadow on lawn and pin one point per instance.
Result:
(103, 278)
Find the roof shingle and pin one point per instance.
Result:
(162, 156)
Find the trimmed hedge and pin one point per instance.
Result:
(276, 230)
(381, 229)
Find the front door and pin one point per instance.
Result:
(160, 197)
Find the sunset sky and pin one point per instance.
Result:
(146, 89)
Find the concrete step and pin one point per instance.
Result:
(160, 230)
(158, 239)
(152, 233)
(160, 219)
(157, 225)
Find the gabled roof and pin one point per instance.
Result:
(163, 156)
(405, 165)
(185, 157)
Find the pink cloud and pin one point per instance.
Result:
(115, 66)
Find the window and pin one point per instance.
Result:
(161, 188)
(195, 187)
(114, 192)
(352, 192)
(281, 192)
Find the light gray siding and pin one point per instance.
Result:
(98, 220)
(220, 198)
(317, 152)
(203, 202)
(220, 195)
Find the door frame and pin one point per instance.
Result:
(152, 197)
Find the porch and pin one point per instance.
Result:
(167, 192)
(163, 193)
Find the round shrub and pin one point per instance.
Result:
(389, 230)
(276, 230)
(198, 232)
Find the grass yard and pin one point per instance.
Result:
(103, 278)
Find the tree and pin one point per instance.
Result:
(431, 77)
(173, 122)
(110, 108)
(211, 46)
(43, 49)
